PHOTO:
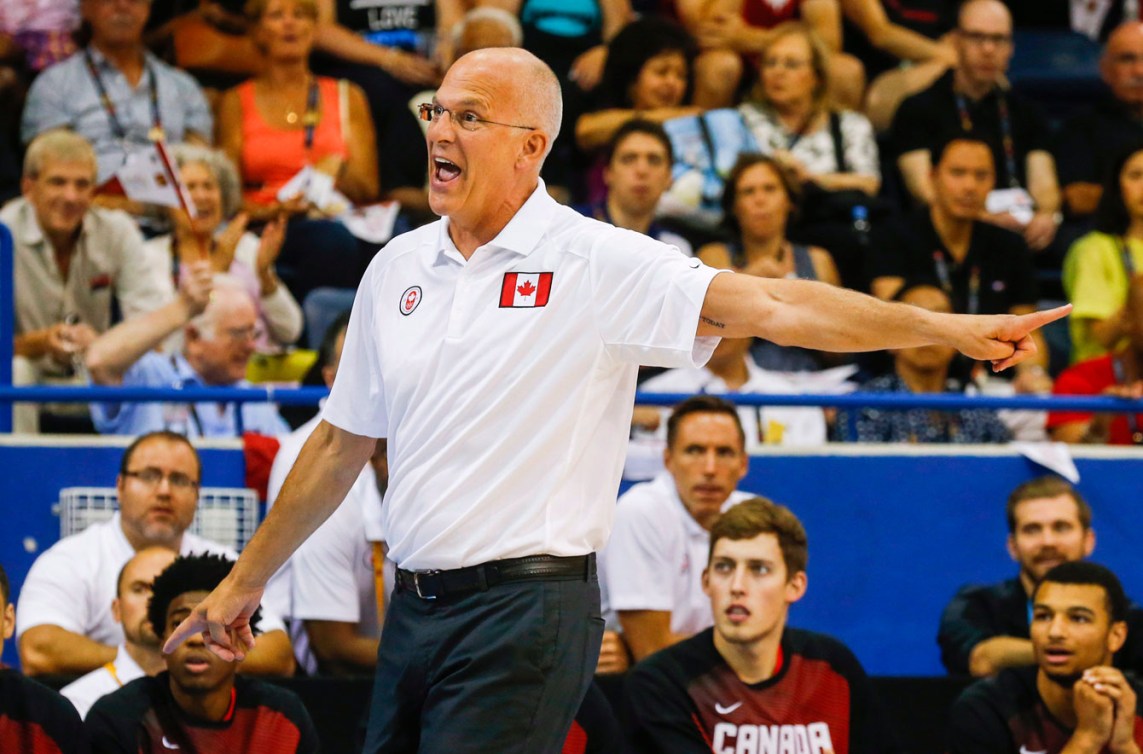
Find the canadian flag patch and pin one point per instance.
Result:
(525, 290)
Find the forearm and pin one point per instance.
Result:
(992, 655)
(647, 631)
(1042, 183)
(110, 355)
(338, 41)
(284, 317)
(816, 315)
(845, 181)
(360, 182)
(326, 468)
(906, 44)
(51, 649)
(338, 644)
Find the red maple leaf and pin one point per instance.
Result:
(527, 289)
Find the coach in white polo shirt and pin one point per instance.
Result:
(650, 573)
(497, 351)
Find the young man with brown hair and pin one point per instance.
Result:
(750, 683)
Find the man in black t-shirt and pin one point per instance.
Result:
(1090, 143)
(983, 268)
(198, 704)
(973, 96)
(1072, 699)
(33, 718)
(751, 683)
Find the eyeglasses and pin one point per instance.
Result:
(466, 119)
(151, 477)
(242, 334)
(980, 39)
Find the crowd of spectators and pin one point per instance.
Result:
(883, 147)
(879, 146)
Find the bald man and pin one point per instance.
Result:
(974, 96)
(497, 350)
(1090, 143)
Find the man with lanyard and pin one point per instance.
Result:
(116, 93)
(974, 97)
(1117, 374)
(638, 172)
(497, 351)
(982, 268)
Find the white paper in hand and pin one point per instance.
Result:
(147, 176)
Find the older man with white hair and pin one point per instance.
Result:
(497, 350)
(218, 340)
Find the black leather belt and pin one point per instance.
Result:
(430, 585)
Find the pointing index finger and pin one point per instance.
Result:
(190, 626)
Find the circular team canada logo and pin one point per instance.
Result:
(410, 299)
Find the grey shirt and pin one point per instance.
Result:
(66, 95)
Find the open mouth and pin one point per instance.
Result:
(1057, 656)
(737, 614)
(445, 170)
(196, 664)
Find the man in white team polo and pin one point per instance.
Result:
(650, 573)
(497, 350)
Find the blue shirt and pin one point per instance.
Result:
(65, 95)
(193, 420)
(917, 425)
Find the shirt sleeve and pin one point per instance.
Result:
(964, 624)
(111, 730)
(357, 400)
(1094, 277)
(661, 718)
(647, 298)
(639, 569)
(198, 117)
(911, 129)
(860, 145)
(52, 595)
(133, 417)
(977, 725)
(137, 286)
(869, 732)
(45, 107)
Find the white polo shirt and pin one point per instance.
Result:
(656, 556)
(72, 584)
(89, 689)
(505, 382)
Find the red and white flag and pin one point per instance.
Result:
(525, 290)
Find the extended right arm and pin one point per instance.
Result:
(51, 649)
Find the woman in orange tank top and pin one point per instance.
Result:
(286, 119)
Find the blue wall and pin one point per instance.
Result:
(891, 536)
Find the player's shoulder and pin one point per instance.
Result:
(255, 692)
(1009, 691)
(129, 702)
(680, 663)
(817, 646)
(405, 248)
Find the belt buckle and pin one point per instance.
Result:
(417, 584)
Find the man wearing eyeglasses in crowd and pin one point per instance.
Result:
(219, 324)
(65, 623)
(497, 350)
(975, 96)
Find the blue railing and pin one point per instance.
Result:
(311, 395)
(7, 321)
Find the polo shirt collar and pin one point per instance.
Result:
(29, 232)
(102, 61)
(522, 234)
(188, 376)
